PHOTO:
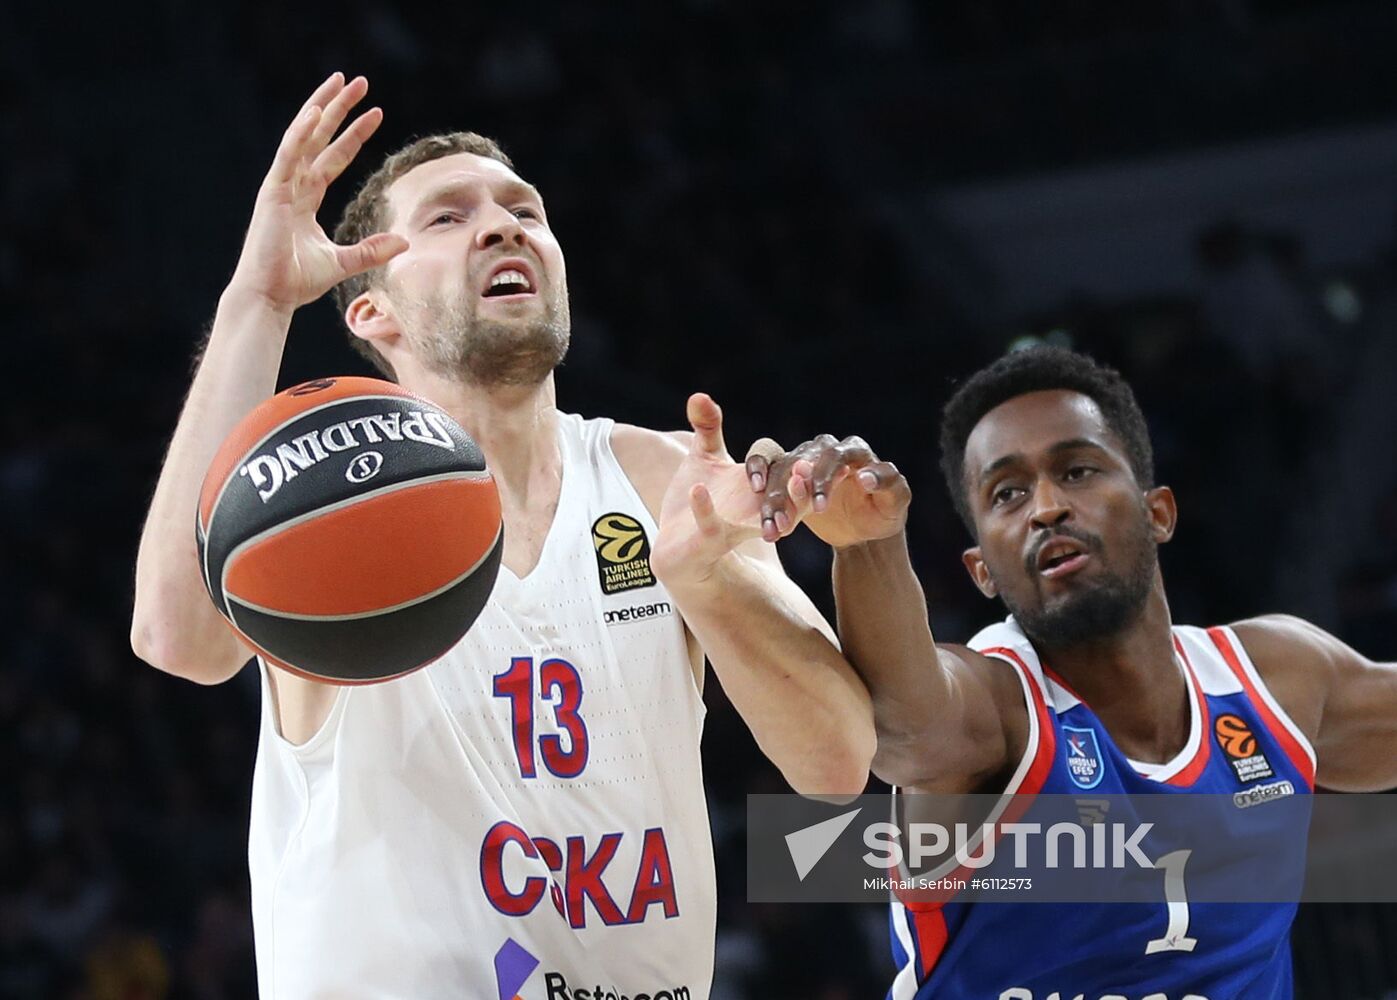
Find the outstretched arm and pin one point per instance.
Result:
(287, 261)
(770, 648)
(1345, 703)
(947, 718)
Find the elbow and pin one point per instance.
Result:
(836, 774)
(831, 785)
(161, 649)
(900, 762)
(147, 644)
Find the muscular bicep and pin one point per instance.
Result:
(1356, 745)
(960, 728)
(1345, 703)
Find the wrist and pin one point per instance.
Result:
(245, 301)
(694, 583)
(873, 547)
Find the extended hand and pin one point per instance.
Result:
(709, 508)
(844, 492)
(287, 259)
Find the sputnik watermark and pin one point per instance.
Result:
(1266, 842)
(1100, 846)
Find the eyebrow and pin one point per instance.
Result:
(510, 190)
(1071, 444)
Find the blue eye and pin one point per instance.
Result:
(525, 213)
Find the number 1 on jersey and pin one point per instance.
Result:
(557, 679)
(1176, 904)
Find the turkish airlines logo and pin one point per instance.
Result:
(1238, 742)
(623, 553)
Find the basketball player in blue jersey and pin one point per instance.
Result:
(1087, 685)
(524, 817)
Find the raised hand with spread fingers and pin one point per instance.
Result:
(288, 260)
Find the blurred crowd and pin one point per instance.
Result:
(719, 177)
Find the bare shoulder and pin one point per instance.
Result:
(649, 459)
(1281, 642)
(1000, 681)
(1298, 660)
(994, 723)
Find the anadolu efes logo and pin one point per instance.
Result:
(1083, 757)
(271, 470)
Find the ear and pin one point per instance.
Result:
(368, 319)
(974, 562)
(1163, 512)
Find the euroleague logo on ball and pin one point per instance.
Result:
(364, 467)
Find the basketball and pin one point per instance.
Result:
(349, 530)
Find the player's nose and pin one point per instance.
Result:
(500, 226)
(1050, 506)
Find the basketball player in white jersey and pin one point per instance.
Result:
(524, 817)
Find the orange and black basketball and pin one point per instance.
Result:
(349, 530)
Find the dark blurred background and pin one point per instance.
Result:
(823, 214)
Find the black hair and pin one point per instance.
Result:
(1037, 369)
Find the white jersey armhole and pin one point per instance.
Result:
(271, 723)
(605, 427)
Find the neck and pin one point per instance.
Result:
(1131, 681)
(515, 426)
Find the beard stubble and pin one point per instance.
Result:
(451, 339)
(1112, 604)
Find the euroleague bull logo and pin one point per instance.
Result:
(623, 553)
(272, 469)
(1238, 742)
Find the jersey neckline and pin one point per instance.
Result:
(1184, 768)
(560, 436)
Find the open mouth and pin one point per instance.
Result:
(509, 280)
(1061, 557)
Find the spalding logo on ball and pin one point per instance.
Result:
(349, 531)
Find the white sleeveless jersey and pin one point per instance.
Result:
(523, 818)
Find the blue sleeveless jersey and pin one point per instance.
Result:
(1120, 951)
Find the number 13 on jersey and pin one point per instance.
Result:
(564, 752)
